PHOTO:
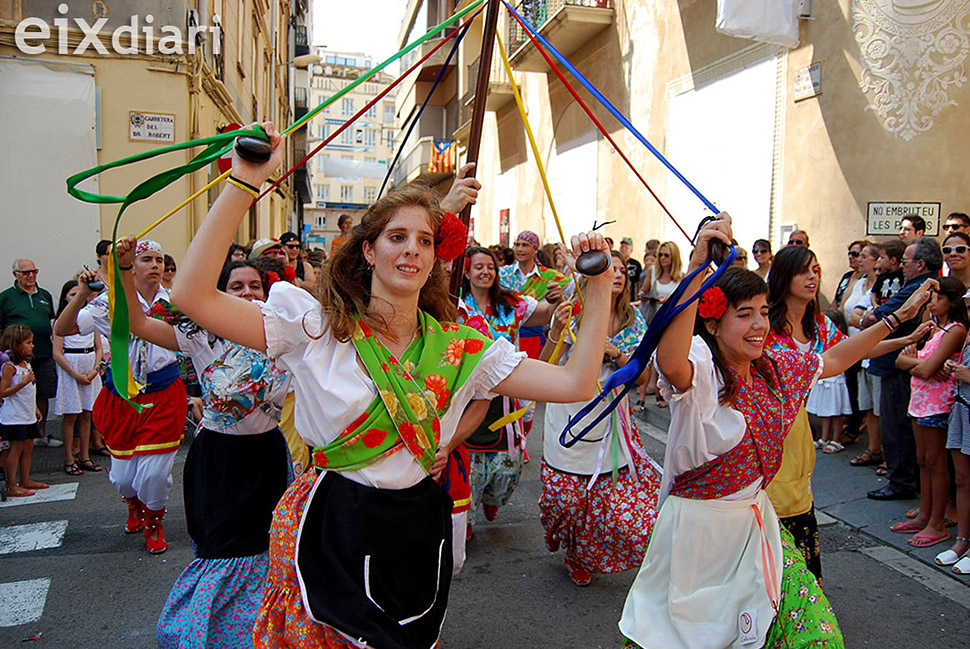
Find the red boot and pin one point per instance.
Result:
(154, 535)
(491, 512)
(136, 515)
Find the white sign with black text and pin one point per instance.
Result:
(884, 218)
(151, 127)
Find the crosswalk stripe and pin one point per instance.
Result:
(56, 492)
(32, 536)
(22, 602)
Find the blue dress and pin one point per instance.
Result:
(215, 600)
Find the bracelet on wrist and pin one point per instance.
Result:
(888, 323)
(898, 321)
(243, 185)
(555, 341)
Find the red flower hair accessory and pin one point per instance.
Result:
(452, 238)
(713, 303)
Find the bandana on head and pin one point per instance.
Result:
(529, 237)
(147, 245)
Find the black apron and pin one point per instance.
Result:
(375, 564)
(231, 485)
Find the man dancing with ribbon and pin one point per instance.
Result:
(720, 571)
(142, 438)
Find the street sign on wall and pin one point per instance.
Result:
(884, 218)
(151, 127)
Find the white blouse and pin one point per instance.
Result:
(332, 390)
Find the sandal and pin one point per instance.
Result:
(102, 451)
(866, 458)
(923, 541)
(820, 444)
(962, 567)
(88, 465)
(638, 406)
(833, 447)
(660, 402)
(906, 527)
(73, 468)
(882, 470)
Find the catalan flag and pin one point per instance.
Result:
(443, 155)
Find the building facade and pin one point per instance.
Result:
(347, 175)
(839, 135)
(108, 80)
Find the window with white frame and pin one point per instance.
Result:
(388, 113)
(323, 192)
(370, 194)
(346, 193)
(371, 112)
(347, 106)
(390, 138)
(347, 137)
(370, 137)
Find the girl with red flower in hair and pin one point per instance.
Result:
(497, 456)
(717, 537)
(358, 549)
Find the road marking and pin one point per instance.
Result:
(917, 571)
(54, 493)
(22, 602)
(33, 536)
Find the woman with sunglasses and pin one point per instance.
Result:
(657, 285)
(956, 254)
(763, 257)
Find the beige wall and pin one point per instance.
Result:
(837, 153)
(186, 87)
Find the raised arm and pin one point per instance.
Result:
(154, 331)
(673, 351)
(66, 323)
(839, 358)
(576, 380)
(195, 292)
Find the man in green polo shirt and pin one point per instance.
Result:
(28, 304)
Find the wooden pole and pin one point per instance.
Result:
(478, 121)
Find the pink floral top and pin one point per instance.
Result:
(929, 396)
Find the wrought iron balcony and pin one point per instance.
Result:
(414, 164)
(300, 102)
(567, 24)
(301, 41)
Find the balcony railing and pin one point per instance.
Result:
(301, 40)
(499, 89)
(567, 24)
(300, 102)
(414, 164)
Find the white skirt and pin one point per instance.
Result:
(73, 398)
(703, 578)
(829, 398)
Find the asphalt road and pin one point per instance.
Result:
(98, 588)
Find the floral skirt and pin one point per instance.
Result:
(494, 477)
(603, 529)
(805, 619)
(282, 621)
(213, 604)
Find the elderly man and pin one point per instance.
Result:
(921, 261)
(798, 238)
(911, 228)
(28, 304)
(142, 444)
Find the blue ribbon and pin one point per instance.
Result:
(610, 107)
(424, 104)
(626, 376)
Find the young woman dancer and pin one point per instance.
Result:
(228, 511)
(497, 456)
(358, 546)
(599, 497)
(717, 538)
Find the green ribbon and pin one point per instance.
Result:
(216, 147)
